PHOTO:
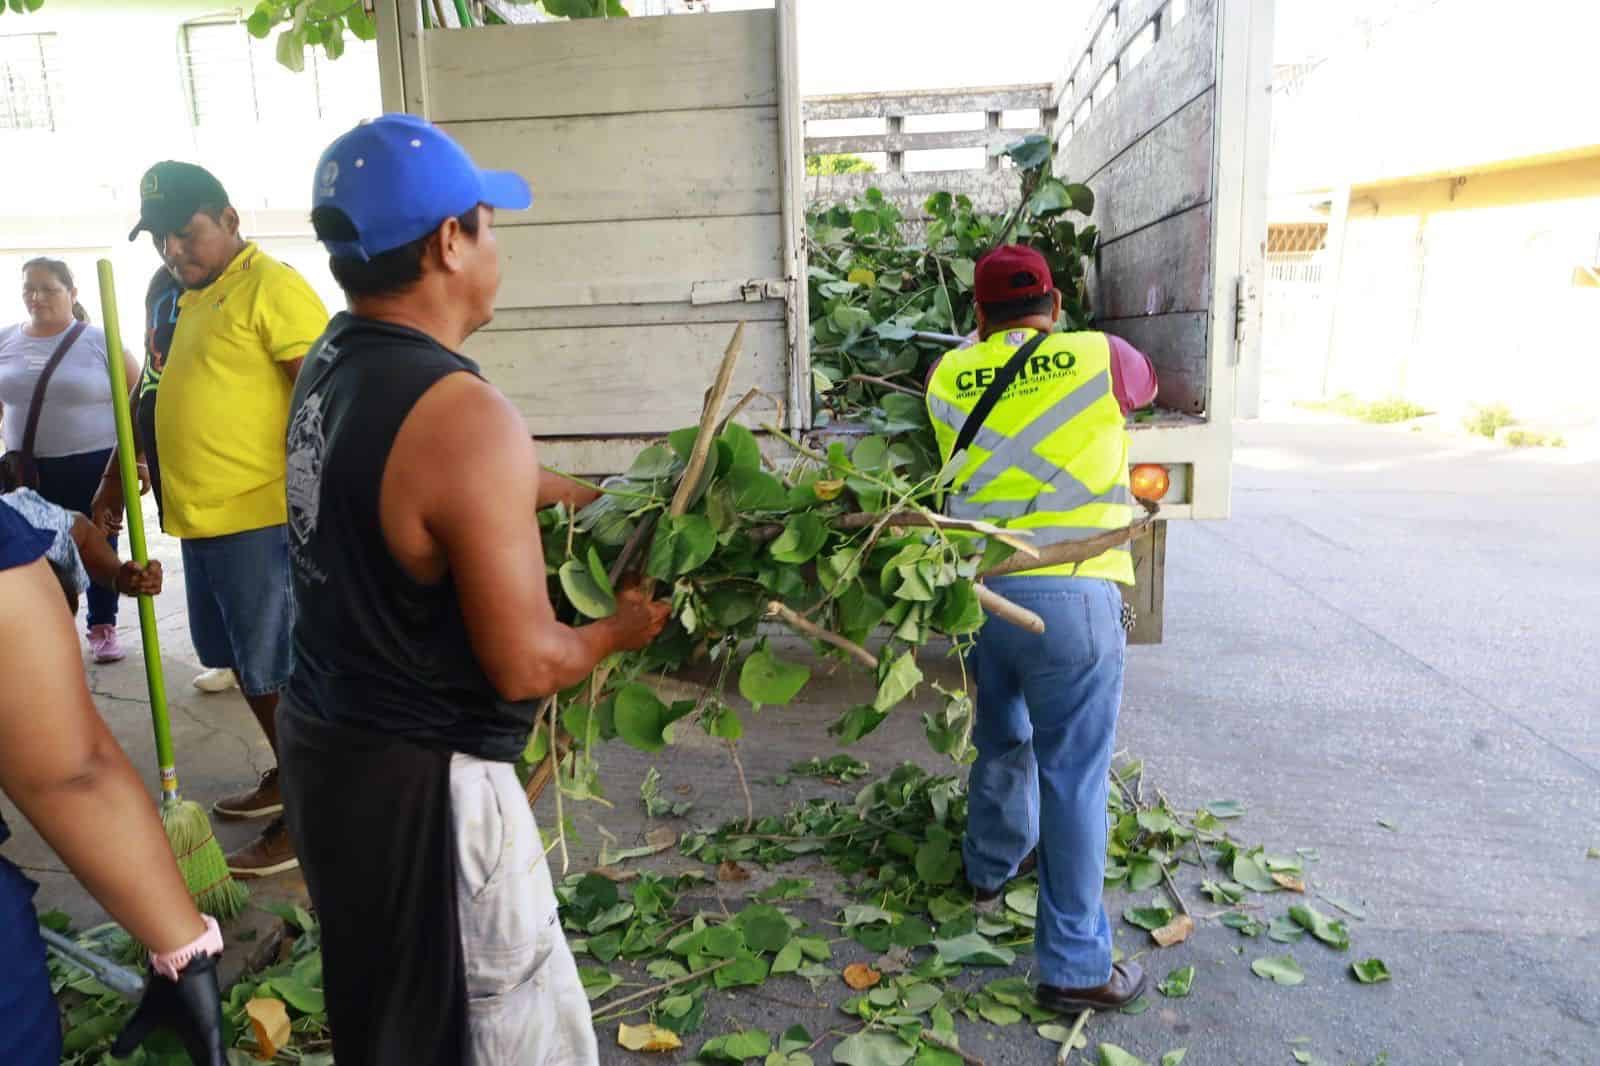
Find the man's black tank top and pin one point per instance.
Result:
(375, 649)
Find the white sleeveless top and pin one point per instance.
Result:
(77, 414)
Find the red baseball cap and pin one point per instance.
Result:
(1011, 272)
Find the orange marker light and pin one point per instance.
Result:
(1149, 481)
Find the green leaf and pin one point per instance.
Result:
(597, 981)
(937, 863)
(865, 223)
(1031, 152)
(1147, 917)
(856, 723)
(299, 995)
(361, 24)
(802, 537)
(1279, 968)
(1051, 198)
(1350, 908)
(920, 998)
(1329, 931)
(292, 50)
(1000, 1013)
(1252, 874)
(873, 1047)
(744, 449)
(1243, 923)
(666, 969)
(973, 949)
(764, 926)
(756, 490)
(1082, 198)
(681, 544)
(641, 718)
(898, 681)
(795, 1038)
(587, 586)
(766, 679)
(1225, 808)
(743, 970)
(865, 914)
(1173, 1058)
(1285, 931)
(1112, 1055)
(789, 958)
(259, 24)
(1370, 971)
(958, 611)
(738, 1047)
(1178, 983)
(1024, 900)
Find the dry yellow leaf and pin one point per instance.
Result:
(270, 1020)
(662, 838)
(828, 488)
(647, 1038)
(1293, 884)
(860, 976)
(1174, 932)
(728, 870)
(613, 873)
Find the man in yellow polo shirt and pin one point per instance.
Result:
(246, 321)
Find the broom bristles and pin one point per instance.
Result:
(201, 861)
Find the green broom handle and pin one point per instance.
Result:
(136, 542)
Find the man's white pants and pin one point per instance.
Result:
(525, 1004)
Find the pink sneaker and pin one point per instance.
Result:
(103, 642)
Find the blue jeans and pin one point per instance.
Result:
(31, 1032)
(1046, 724)
(241, 606)
(70, 481)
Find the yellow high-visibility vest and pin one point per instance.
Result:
(1052, 457)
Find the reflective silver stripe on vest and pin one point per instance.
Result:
(1018, 452)
(998, 509)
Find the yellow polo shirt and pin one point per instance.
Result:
(222, 409)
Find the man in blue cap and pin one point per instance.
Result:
(425, 635)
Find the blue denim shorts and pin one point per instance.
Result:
(241, 606)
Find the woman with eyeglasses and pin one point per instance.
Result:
(55, 413)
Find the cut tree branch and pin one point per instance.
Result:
(1073, 551)
(796, 621)
(1072, 1037)
(938, 1041)
(1001, 607)
(887, 384)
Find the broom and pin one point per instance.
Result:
(200, 858)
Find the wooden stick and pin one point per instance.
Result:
(865, 519)
(938, 1041)
(886, 383)
(799, 622)
(1071, 551)
(709, 413)
(655, 990)
(998, 605)
(736, 409)
(1077, 1029)
(547, 768)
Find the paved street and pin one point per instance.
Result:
(1393, 626)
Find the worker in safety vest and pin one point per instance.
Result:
(1051, 457)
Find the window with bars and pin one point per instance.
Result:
(29, 81)
(232, 77)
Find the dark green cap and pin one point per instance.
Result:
(170, 193)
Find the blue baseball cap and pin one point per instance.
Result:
(398, 177)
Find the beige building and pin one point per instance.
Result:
(1436, 213)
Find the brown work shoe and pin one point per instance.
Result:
(988, 899)
(259, 802)
(1126, 985)
(270, 853)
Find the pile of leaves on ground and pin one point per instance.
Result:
(877, 280)
(654, 945)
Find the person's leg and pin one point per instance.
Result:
(31, 1032)
(525, 1003)
(1003, 788)
(249, 575)
(1073, 688)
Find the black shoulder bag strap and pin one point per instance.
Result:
(991, 395)
(27, 473)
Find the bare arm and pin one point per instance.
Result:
(106, 568)
(60, 765)
(555, 488)
(459, 493)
